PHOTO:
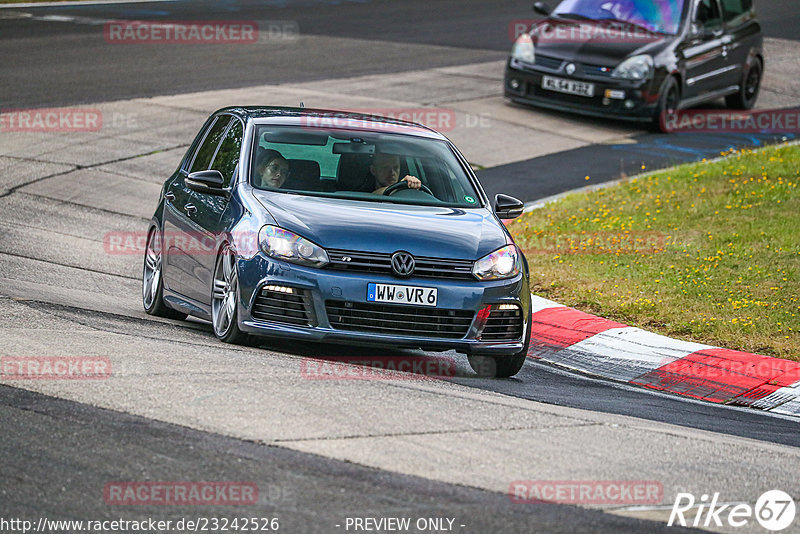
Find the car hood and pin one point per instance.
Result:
(593, 47)
(427, 231)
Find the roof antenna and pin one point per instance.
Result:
(302, 105)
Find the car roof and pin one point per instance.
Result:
(332, 119)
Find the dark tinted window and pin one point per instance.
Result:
(228, 154)
(663, 16)
(357, 165)
(202, 159)
(735, 8)
(708, 13)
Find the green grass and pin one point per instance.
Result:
(708, 252)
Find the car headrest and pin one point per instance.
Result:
(303, 175)
(352, 172)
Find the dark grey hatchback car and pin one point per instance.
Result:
(638, 59)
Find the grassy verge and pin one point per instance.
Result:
(708, 252)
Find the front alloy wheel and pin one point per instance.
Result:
(152, 284)
(224, 296)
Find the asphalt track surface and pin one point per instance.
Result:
(47, 440)
(53, 63)
(61, 454)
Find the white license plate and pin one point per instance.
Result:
(570, 87)
(417, 296)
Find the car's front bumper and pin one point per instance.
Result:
(324, 285)
(613, 98)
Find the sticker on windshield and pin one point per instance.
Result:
(469, 199)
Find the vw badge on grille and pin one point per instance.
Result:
(571, 69)
(403, 264)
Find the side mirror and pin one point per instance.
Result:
(541, 8)
(507, 207)
(209, 182)
(699, 32)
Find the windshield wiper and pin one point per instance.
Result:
(572, 16)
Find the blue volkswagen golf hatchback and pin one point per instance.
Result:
(338, 227)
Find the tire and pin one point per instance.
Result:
(502, 366)
(668, 102)
(152, 281)
(224, 298)
(746, 96)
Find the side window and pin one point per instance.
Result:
(202, 160)
(708, 14)
(732, 9)
(228, 154)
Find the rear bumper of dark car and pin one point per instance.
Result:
(523, 84)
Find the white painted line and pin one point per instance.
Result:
(538, 304)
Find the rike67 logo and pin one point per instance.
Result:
(774, 511)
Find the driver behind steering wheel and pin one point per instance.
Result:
(385, 171)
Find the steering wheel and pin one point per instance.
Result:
(403, 184)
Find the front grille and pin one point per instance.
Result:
(547, 62)
(398, 320)
(284, 305)
(503, 325)
(598, 70)
(374, 262)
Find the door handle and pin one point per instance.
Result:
(190, 209)
(169, 196)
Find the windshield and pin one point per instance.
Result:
(662, 16)
(359, 165)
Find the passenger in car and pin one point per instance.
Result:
(385, 171)
(272, 169)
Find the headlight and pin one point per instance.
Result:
(285, 245)
(502, 263)
(635, 68)
(523, 49)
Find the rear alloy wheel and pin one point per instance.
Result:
(746, 96)
(667, 104)
(224, 296)
(152, 284)
(502, 366)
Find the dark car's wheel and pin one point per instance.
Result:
(224, 296)
(152, 284)
(501, 366)
(668, 103)
(746, 96)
